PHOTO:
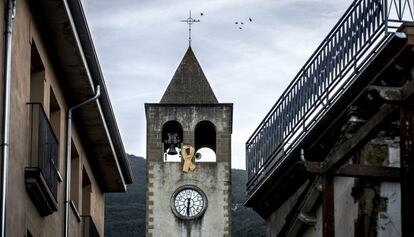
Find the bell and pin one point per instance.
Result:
(172, 151)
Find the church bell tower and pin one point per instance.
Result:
(188, 158)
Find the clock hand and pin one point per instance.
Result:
(188, 206)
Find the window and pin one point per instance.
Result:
(54, 114)
(41, 177)
(89, 228)
(205, 142)
(172, 137)
(37, 77)
(86, 193)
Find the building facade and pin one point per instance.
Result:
(54, 67)
(333, 157)
(188, 158)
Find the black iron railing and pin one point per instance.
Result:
(89, 228)
(353, 42)
(44, 147)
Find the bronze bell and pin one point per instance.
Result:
(172, 150)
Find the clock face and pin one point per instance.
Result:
(188, 202)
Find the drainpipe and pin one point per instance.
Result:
(9, 16)
(68, 155)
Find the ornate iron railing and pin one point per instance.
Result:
(44, 147)
(364, 28)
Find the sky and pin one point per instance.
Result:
(140, 43)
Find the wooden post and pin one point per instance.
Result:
(407, 170)
(328, 207)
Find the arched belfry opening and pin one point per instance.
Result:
(205, 141)
(172, 136)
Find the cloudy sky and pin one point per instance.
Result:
(141, 42)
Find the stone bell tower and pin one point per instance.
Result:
(188, 158)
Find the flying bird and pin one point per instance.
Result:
(202, 14)
(250, 19)
(242, 23)
(240, 28)
(236, 22)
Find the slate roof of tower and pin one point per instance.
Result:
(189, 85)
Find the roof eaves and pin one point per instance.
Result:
(78, 16)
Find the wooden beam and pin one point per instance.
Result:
(407, 171)
(328, 206)
(341, 152)
(306, 206)
(368, 171)
(344, 150)
(389, 94)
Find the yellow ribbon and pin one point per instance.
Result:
(187, 153)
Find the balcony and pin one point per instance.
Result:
(42, 177)
(366, 28)
(89, 228)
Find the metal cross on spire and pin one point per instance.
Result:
(190, 21)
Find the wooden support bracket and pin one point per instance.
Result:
(344, 150)
(389, 94)
(368, 171)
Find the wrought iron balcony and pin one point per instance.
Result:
(42, 176)
(351, 45)
(89, 228)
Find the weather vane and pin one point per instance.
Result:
(190, 21)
